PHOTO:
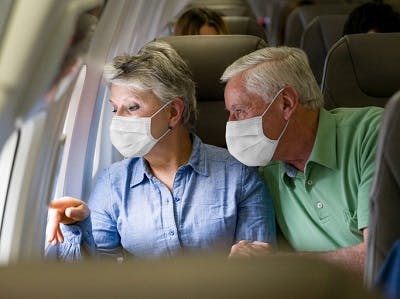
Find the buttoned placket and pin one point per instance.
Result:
(316, 202)
(171, 232)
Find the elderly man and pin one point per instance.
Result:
(322, 161)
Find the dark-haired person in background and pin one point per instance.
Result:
(200, 21)
(372, 17)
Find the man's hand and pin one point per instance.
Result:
(246, 249)
(64, 210)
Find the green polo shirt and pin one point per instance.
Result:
(327, 206)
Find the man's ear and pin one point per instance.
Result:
(290, 101)
(176, 112)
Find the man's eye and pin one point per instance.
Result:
(114, 110)
(238, 112)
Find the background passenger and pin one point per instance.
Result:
(200, 21)
(323, 161)
(173, 193)
(372, 17)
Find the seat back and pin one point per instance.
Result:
(318, 37)
(384, 228)
(275, 15)
(362, 70)
(244, 25)
(300, 17)
(274, 276)
(208, 56)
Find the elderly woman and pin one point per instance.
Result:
(173, 193)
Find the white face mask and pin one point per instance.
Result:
(246, 140)
(132, 136)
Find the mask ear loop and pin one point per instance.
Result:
(169, 127)
(162, 107)
(284, 130)
(273, 100)
(166, 132)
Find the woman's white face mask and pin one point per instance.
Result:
(246, 141)
(132, 136)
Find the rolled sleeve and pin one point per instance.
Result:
(78, 243)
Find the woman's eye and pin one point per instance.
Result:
(133, 107)
(114, 110)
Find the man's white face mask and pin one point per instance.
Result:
(132, 136)
(246, 140)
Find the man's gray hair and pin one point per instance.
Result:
(268, 70)
(158, 68)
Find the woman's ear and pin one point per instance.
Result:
(176, 112)
(290, 101)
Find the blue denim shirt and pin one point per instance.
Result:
(215, 202)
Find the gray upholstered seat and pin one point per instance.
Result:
(208, 56)
(362, 70)
(318, 37)
(299, 18)
(384, 228)
(197, 277)
(244, 25)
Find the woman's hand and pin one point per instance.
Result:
(64, 210)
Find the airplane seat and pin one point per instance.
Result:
(318, 37)
(208, 56)
(206, 276)
(383, 226)
(362, 70)
(273, 14)
(301, 16)
(244, 25)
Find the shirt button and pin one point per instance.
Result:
(309, 182)
(171, 233)
(177, 199)
(320, 205)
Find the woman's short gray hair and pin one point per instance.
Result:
(159, 68)
(268, 70)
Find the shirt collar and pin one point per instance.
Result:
(197, 160)
(324, 150)
(139, 172)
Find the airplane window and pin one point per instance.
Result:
(104, 153)
(65, 142)
(6, 162)
(39, 162)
